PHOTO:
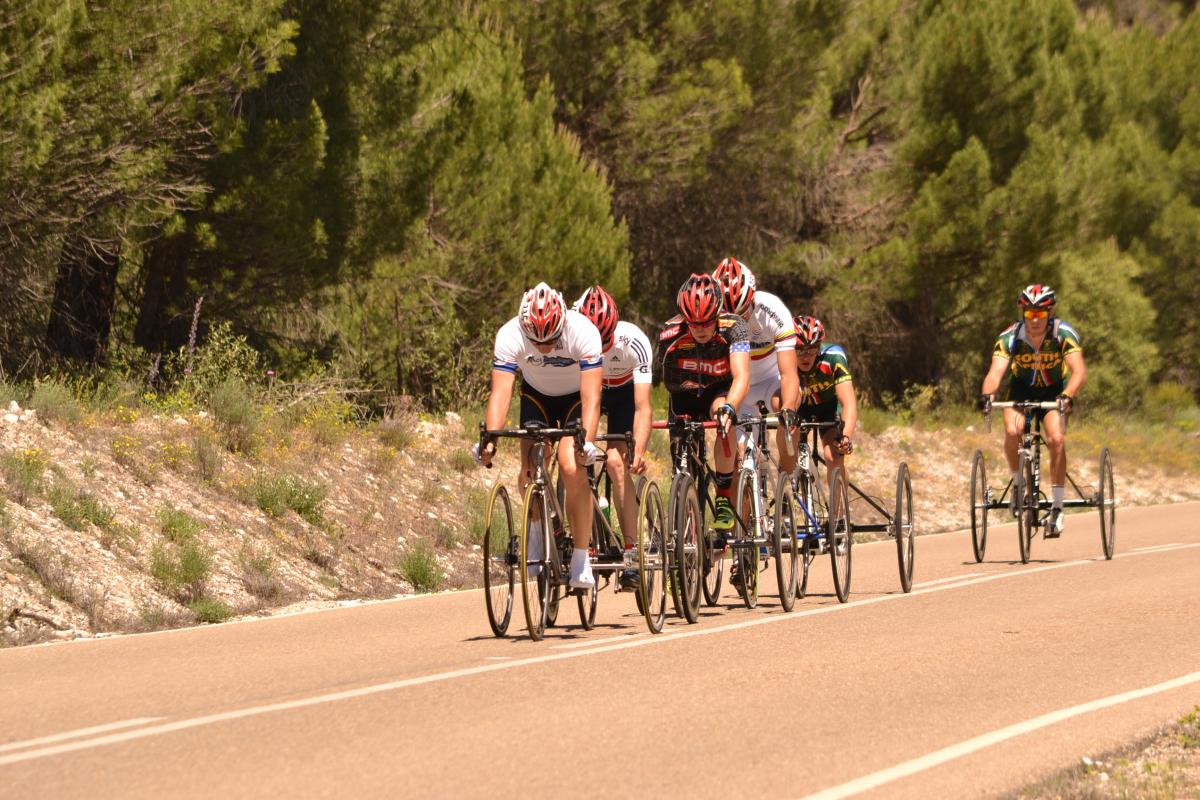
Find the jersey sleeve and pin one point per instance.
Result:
(1004, 344)
(785, 335)
(738, 334)
(506, 352)
(639, 345)
(1069, 338)
(589, 350)
(836, 357)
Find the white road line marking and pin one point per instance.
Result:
(1153, 550)
(877, 779)
(625, 637)
(499, 658)
(77, 734)
(1156, 547)
(946, 580)
(365, 691)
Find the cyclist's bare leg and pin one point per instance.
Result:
(1014, 426)
(1056, 443)
(833, 460)
(623, 496)
(526, 475)
(579, 497)
(722, 462)
(786, 462)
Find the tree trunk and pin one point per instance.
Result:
(164, 312)
(85, 292)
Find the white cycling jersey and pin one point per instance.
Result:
(771, 329)
(629, 357)
(555, 373)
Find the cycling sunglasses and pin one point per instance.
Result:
(1033, 313)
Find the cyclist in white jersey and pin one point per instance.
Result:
(626, 402)
(773, 376)
(558, 354)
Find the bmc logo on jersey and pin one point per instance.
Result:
(704, 366)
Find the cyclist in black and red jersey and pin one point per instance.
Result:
(705, 359)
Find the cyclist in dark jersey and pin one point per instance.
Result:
(1044, 361)
(705, 360)
(826, 388)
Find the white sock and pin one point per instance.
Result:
(1056, 493)
(579, 561)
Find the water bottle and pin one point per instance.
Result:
(605, 507)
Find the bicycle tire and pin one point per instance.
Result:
(1027, 508)
(499, 560)
(811, 493)
(783, 542)
(685, 527)
(979, 506)
(1107, 502)
(902, 523)
(840, 533)
(745, 528)
(652, 556)
(537, 584)
(587, 602)
(712, 564)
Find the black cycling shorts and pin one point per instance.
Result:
(823, 412)
(1024, 393)
(617, 403)
(696, 407)
(554, 411)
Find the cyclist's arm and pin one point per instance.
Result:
(739, 368)
(643, 412)
(1078, 373)
(991, 381)
(789, 379)
(590, 384)
(499, 399)
(845, 396)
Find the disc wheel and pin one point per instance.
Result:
(783, 542)
(902, 526)
(1027, 505)
(745, 530)
(713, 561)
(979, 506)
(686, 526)
(839, 533)
(1106, 499)
(537, 584)
(652, 556)
(499, 560)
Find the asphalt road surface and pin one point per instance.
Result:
(984, 678)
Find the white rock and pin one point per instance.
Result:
(377, 516)
(11, 418)
(13, 407)
(452, 418)
(202, 415)
(431, 515)
(178, 420)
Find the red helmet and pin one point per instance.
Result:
(1038, 296)
(599, 306)
(699, 299)
(737, 282)
(809, 331)
(542, 314)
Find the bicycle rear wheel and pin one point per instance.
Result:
(1027, 499)
(745, 531)
(811, 493)
(783, 541)
(902, 525)
(652, 556)
(685, 524)
(712, 563)
(499, 560)
(1107, 502)
(587, 607)
(840, 533)
(979, 506)
(536, 562)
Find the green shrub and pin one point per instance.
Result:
(258, 575)
(208, 610)
(54, 402)
(419, 567)
(461, 460)
(275, 494)
(330, 419)
(207, 457)
(23, 473)
(181, 569)
(78, 508)
(1189, 733)
(237, 413)
(397, 433)
(221, 357)
(1167, 402)
(176, 525)
(10, 392)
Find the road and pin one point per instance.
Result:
(984, 678)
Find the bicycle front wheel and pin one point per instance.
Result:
(902, 527)
(1027, 499)
(712, 563)
(685, 523)
(783, 541)
(745, 532)
(535, 562)
(979, 506)
(840, 533)
(499, 560)
(652, 556)
(814, 510)
(1107, 501)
